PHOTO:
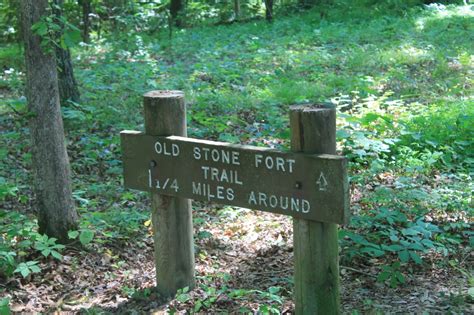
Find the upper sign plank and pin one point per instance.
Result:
(312, 187)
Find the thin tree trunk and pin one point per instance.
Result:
(86, 23)
(68, 89)
(237, 9)
(55, 206)
(176, 6)
(269, 10)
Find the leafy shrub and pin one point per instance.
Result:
(20, 241)
(391, 233)
(5, 306)
(444, 130)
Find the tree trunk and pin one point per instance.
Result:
(55, 206)
(237, 9)
(176, 6)
(269, 10)
(68, 89)
(86, 23)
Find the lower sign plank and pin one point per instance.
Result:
(313, 187)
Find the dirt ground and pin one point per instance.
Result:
(246, 251)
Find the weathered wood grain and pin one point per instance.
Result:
(165, 114)
(316, 275)
(301, 185)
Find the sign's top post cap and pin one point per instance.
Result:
(164, 94)
(312, 107)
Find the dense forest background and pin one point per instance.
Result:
(400, 74)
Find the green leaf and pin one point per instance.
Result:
(375, 252)
(342, 134)
(40, 28)
(58, 246)
(5, 306)
(404, 256)
(409, 231)
(400, 277)
(263, 309)
(471, 292)
(394, 248)
(35, 269)
(183, 297)
(86, 236)
(383, 276)
(416, 258)
(56, 255)
(204, 234)
(394, 238)
(197, 306)
(52, 241)
(417, 246)
(23, 269)
(71, 37)
(274, 290)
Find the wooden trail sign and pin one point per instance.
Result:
(312, 187)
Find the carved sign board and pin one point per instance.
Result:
(313, 187)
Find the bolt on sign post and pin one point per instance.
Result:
(310, 184)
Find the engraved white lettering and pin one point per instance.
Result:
(252, 200)
(280, 164)
(262, 199)
(205, 169)
(214, 174)
(220, 192)
(225, 157)
(256, 199)
(217, 155)
(206, 152)
(235, 158)
(230, 194)
(305, 206)
(221, 175)
(258, 159)
(197, 153)
(175, 149)
(211, 192)
(290, 165)
(273, 201)
(274, 163)
(163, 148)
(269, 162)
(197, 190)
(295, 205)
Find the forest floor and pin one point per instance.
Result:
(244, 265)
(402, 83)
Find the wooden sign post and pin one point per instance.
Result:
(315, 244)
(165, 114)
(309, 184)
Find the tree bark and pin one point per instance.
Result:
(176, 6)
(68, 89)
(237, 9)
(86, 24)
(269, 10)
(55, 206)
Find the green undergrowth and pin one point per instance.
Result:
(401, 80)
